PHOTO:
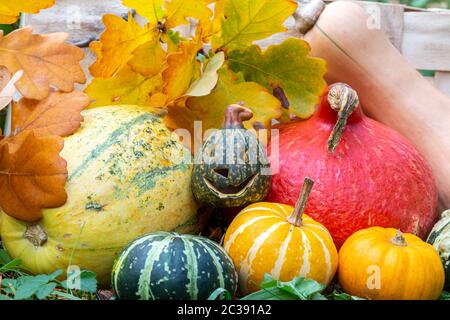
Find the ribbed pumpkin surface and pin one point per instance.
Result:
(260, 240)
(127, 176)
(440, 239)
(170, 266)
(372, 266)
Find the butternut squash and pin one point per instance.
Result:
(391, 91)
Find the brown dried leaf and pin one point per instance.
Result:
(58, 114)
(32, 176)
(45, 59)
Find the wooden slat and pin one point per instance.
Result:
(426, 40)
(442, 82)
(82, 19)
(390, 18)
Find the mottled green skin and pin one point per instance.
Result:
(238, 151)
(440, 239)
(170, 266)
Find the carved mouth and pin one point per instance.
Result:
(232, 190)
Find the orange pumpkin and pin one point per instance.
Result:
(384, 264)
(282, 241)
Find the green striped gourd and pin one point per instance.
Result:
(232, 168)
(440, 239)
(170, 266)
(128, 176)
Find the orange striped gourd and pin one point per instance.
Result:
(280, 240)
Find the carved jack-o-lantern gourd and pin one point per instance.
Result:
(232, 168)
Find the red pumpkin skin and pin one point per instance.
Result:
(375, 177)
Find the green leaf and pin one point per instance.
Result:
(3, 297)
(285, 66)
(45, 290)
(88, 281)
(343, 296)
(4, 257)
(245, 21)
(29, 286)
(445, 295)
(299, 288)
(11, 265)
(210, 109)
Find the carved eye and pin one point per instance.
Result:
(222, 171)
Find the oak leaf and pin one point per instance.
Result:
(46, 62)
(211, 108)
(182, 70)
(208, 80)
(126, 87)
(117, 44)
(32, 176)
(10, 9)
(152, 10)
(285, 66)
(149, 58)
(178, 12)
(58, 114)
(248, 20)
(7, 90)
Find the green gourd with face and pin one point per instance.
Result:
(232, 168)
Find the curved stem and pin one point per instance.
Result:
(296, 217)
(344, 99)
(235, 114)
(399, 240)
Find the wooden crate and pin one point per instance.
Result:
(423, 36)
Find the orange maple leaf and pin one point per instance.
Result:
(32, 176)
(45, 60)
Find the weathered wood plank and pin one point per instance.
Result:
(388, 18)
(81, 19)
(426, 40)
(442, 82)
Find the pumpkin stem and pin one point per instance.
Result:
(296, 217)
(235, 114)
(36, 235)
(344, 99)
(399, 240)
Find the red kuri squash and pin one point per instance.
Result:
(366, 174)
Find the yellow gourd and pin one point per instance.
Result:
(127, 176)
(278, 239)
(384, 264)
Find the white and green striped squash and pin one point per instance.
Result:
(170, 266)
(440, 239)
(128, 176)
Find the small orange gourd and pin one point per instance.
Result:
(384, 264)
(280, 240)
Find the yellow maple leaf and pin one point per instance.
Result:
(10, 9)
(246, 21)
(126, 87)
(149, 58)
(152, 10)
(46, 60)
(210, 109)
(182, 70)
(117, 44)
